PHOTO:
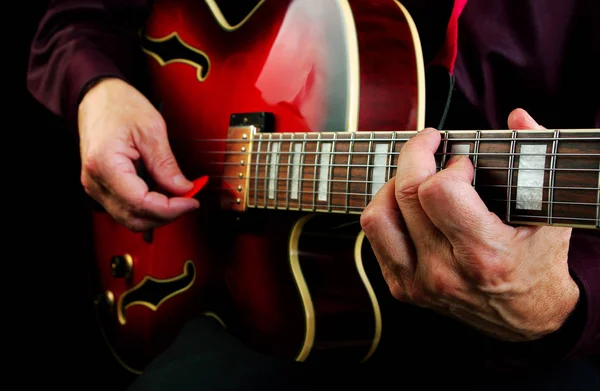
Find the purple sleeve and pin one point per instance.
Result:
(584, 262)
(79, 41)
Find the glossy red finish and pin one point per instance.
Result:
(279, 61)
(145, 331)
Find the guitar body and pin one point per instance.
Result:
(297, 284)
(148, 285)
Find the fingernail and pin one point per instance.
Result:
(455, 159)
(198, 185)
(427, 131)
(182, 181)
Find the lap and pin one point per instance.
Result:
(206, 356)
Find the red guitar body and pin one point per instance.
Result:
(300, 286)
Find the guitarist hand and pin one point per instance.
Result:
(441, 248)
(118, 126)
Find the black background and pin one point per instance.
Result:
(50, 336)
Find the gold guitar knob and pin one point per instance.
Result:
(121, 266)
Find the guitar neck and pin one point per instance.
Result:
(547, 177)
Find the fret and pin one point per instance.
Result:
(315, 165)
(533, 187)
(369, 163)
(444, 150)
(492, 165)
(296, 162)
(273, 167)
(391, 157)
(324, 172)
(551, 174)
(598, 200)
(359, 182)
(476, 157)
(576, 207)
(511, 159)
(288, 169)
(380, 167)
(301, 173)
(350, 155)
(331, 171)
(256, 172)
(267, 158)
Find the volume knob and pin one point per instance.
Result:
(121, 266)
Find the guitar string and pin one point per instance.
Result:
(362, 195)
(345, 166)
(362, 153)
(295, 139)
(366, 182)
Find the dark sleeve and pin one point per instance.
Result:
(584, 263)
(79, 41)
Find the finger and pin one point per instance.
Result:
(155, 150)
(118, 211)
(132, 193)
(416, 163)
(456, 209)
(384, 227)
(520, 119)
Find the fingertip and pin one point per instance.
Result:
(521, 119)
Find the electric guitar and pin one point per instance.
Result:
(297, 111)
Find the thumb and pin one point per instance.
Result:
(520, 119)
(160, 162)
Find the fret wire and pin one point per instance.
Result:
(598, 200)
(390, 162)
(367, 171)
(330, 174)
(510, 175)
(317, 150)
(277, 167)
(552, 177)
(500, 186)
(267, 161)
(256, 172)
(350, 153)
(475, 158)
(301, 175)
(289, 177)
(445, 149)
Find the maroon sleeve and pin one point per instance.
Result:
(584, 262)
(79, 41)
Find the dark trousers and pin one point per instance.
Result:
(205, 356)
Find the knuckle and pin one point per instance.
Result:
(164, 161)
(406, 191)
(438, 283)
(91, 164)
(368, 219)
(491, 272)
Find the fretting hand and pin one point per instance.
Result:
(118, 126)
(440, 247)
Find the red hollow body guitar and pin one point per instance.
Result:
(297, 111)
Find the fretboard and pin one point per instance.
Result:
(526, 177)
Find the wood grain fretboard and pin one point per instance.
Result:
(549, 177)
